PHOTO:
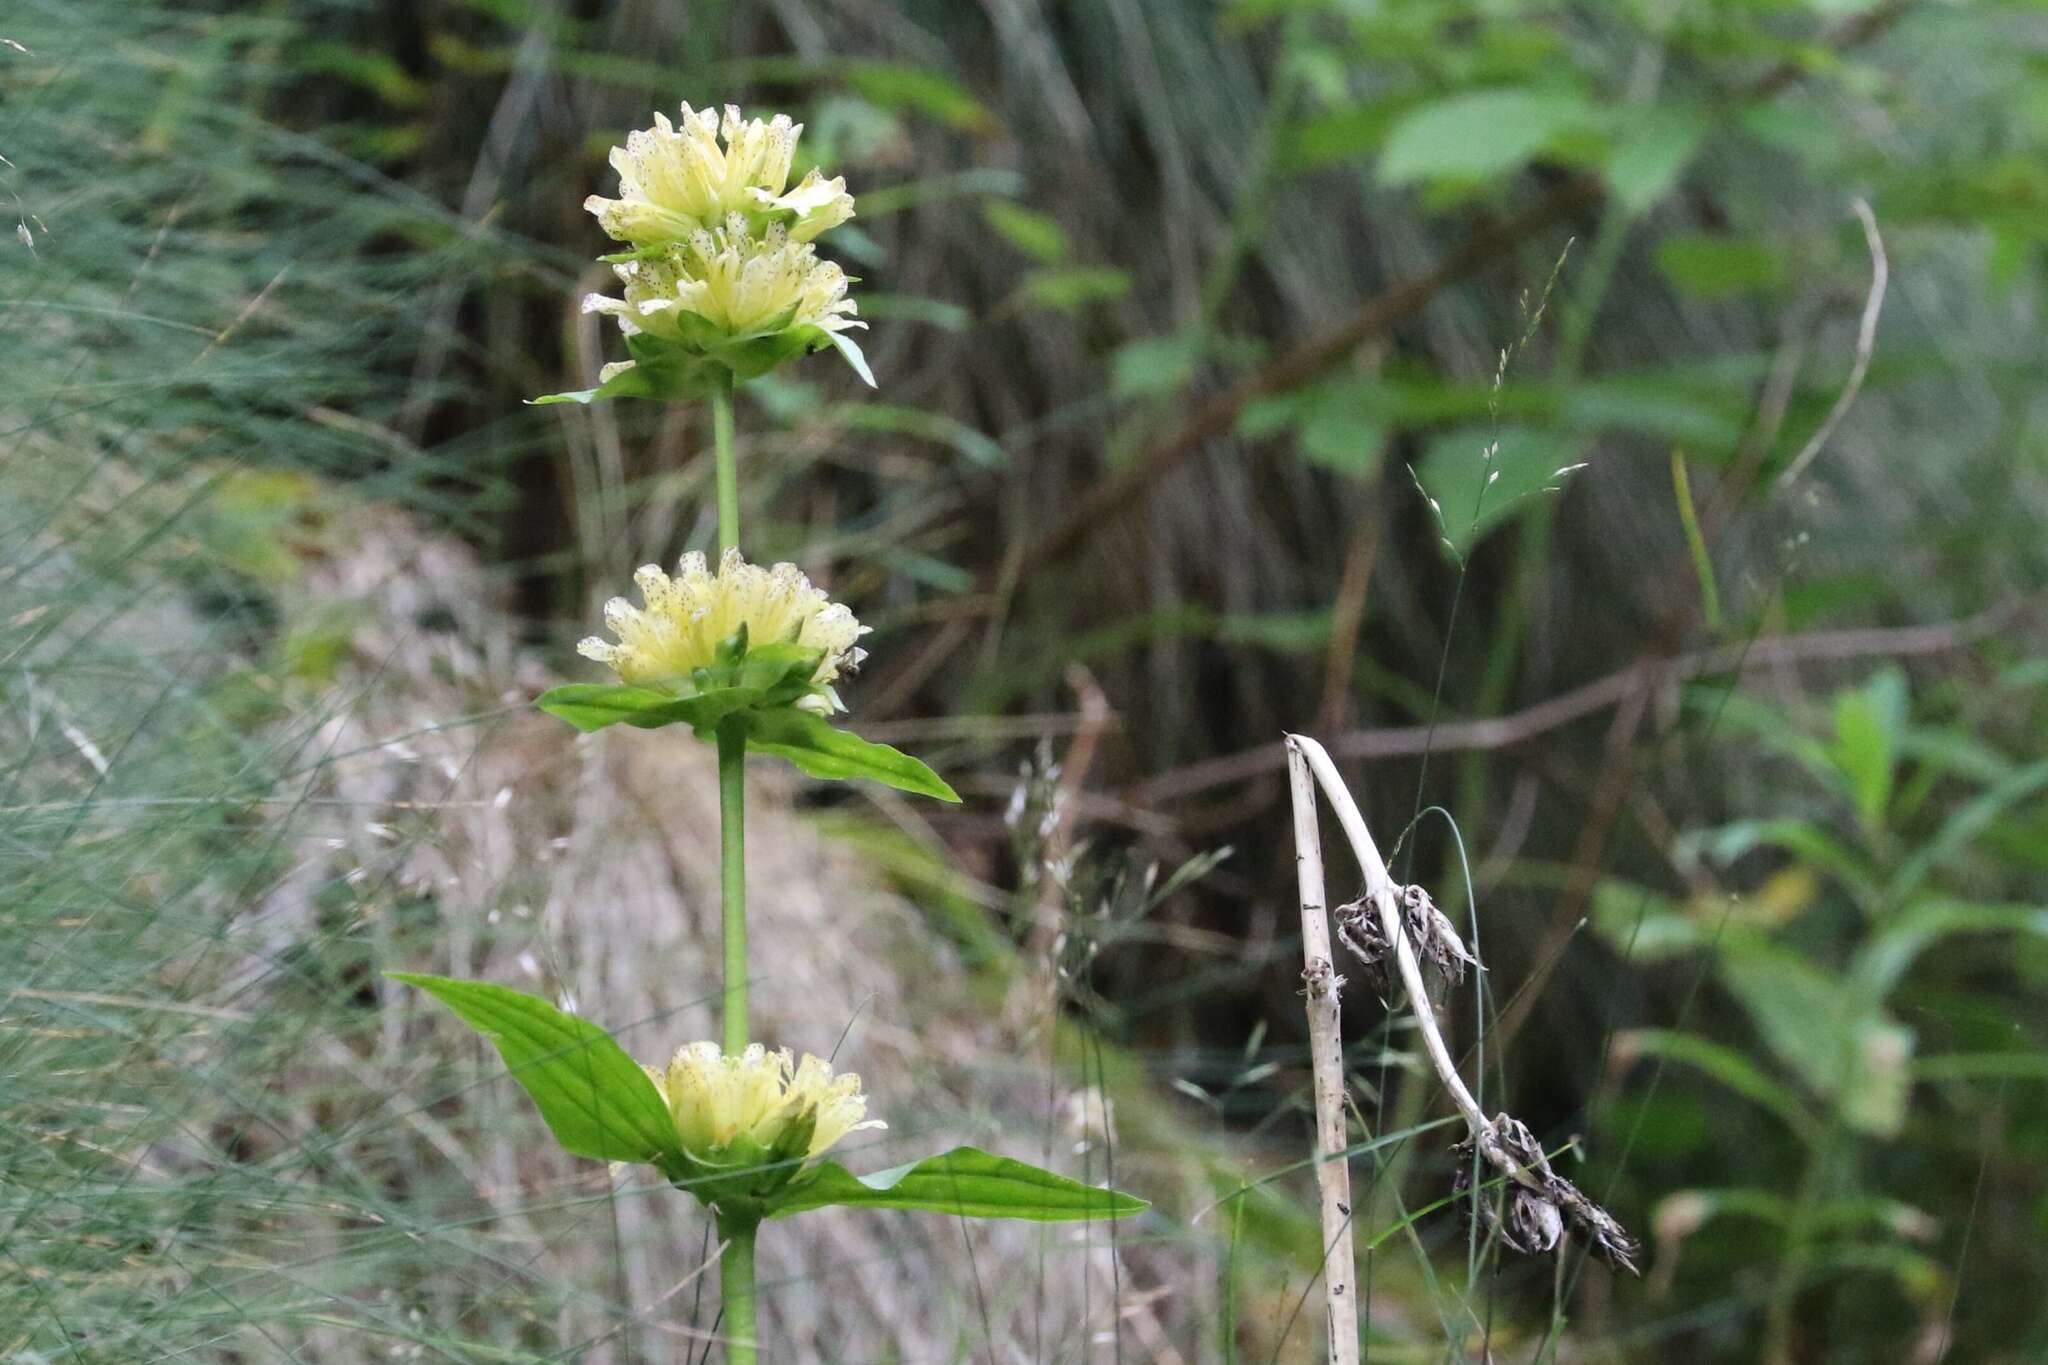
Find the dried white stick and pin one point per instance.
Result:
(1540, 1209)
(1386, 899)
(1866, 345)
(1326, 1060)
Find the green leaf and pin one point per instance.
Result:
(1709, 266)
(1867, 726)
(595, 1098)
(1838, 1041)
(1655, 145)
(1070, 288)
(896, 85)
(836, 755)
(1033, 233)
(1642, 925)
(965, 1181)
(593, 706)
(1475, 492)
(1479, 133)
(1155, 365)
(1961, 828)
(1882, 962)
(1339, 134)
(1724, 1064)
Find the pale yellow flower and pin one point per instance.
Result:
(741, 284)
(687, 617)
(675, 180)
(759, 1101)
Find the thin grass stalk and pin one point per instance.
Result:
(1326, 1060)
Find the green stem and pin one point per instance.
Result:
(736, 1288)
(728, 468)
(732, 875)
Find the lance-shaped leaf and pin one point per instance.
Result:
(595, 1098)
(593, 706)
(965, 1181)
(835, 755)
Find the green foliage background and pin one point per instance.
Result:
(1186, 316)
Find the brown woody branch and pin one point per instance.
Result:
(1503, 732)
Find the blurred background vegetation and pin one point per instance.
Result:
(1454, 379)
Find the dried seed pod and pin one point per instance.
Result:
(1429, 931)
(1436, 940)
(1360, 930)
(1540, 1204)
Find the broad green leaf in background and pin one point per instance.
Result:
(835, 755)
(1340, 134)
(1069, 288)
(1885, 960)
(1969, 822)
(965, 1181)
(1706, 416)
(1724, 1064)
(1724, 844)
(1477, 493)
(595, 1098)
(1709, 266)
(1642, 925)
(1868, 722)
(1343, 426)
(1836, 1039)
(1655, 143)
(1479, 133)
(923, 423)
(1031, 232)
(898, 85)
(1155, 365)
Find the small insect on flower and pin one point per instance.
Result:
(759, 1106)
(675, 180)
(688, 621)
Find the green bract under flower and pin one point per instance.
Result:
(675, 180)
(690, 622)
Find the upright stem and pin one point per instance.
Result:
(736, 1289)
(736, 1261)
(732, 875)
(1326, 1061)
(728, 467)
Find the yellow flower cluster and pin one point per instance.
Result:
(742, 284)
(761, 1102)
(722, 263)
(674, 181)
(686, 618)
